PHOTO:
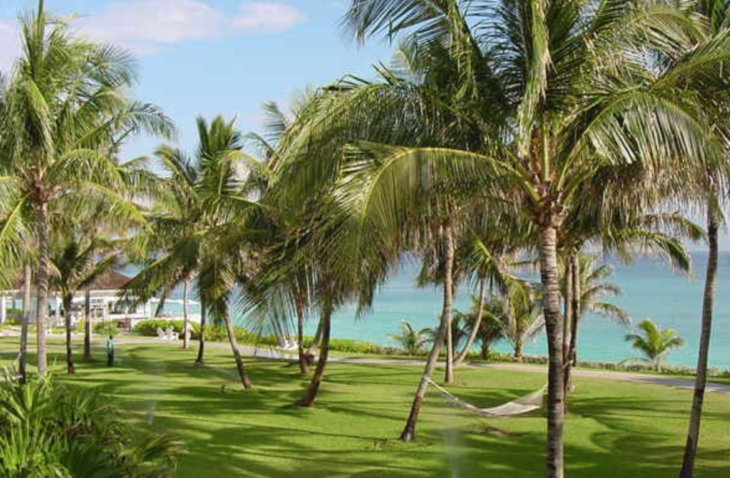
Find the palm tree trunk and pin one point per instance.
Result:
(42, 287)
(27, 314)
(567, 305)
(186, 315)
(693, 436)
(485, 350)
(317, 339)
(475, 330)
(518, 350)
(572, 357)
(200, 360)
(161, 304)
(409, 432)
(245, 380)
(556, 397)
(449, 282)
(308, 399)
(88, 326)
(67, 303)
(303, 365)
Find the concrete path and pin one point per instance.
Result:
(269, 353)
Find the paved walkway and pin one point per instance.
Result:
(668, 381)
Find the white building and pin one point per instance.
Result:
(105, 304)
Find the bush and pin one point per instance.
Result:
(219, 333)
(13, 317)
(148, 328)
(106, 329)
(62, 431)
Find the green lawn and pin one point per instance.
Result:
(614, 430)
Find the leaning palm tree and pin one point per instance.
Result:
(206, 199)
(654, 343)
(310, 245)
(411, 340)
(296, 290)
(65, 106)
(582, 94)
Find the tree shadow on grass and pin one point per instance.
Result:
(352, 432)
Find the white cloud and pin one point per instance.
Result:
(267, 17)
(144, 26)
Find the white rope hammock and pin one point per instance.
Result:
(526, 404)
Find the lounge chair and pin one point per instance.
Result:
(172, 336)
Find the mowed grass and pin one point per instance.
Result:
(615, 429)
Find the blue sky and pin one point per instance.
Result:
(209, 57)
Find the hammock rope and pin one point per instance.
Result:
(526, 404)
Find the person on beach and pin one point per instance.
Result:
(110, 351)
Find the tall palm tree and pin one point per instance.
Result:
(582, 95)
(207, 197)
(65, 107)
(655, 343)
(297, 287)
(711, 24)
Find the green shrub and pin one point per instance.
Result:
(219, 333)
(14, 320)
(106, 329)
(68, 432)
(148, 328)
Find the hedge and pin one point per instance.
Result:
(218, 333)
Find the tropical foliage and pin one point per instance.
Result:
(65, 114)
(654, 343)
(49, 430)
(412, 341)
(502, 134)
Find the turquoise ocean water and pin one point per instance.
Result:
(650, 289)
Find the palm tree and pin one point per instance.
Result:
(65, 110)
(481, 324)
(655, 343)
(78, 260)
(308, 249)
(587, 281)
(710, 24)
(27, 317)
(191, 224)
(582, 95)
(489, 260)
(519, 314)
(297, 287)
(411, 340)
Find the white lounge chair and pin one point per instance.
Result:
(172, 336)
